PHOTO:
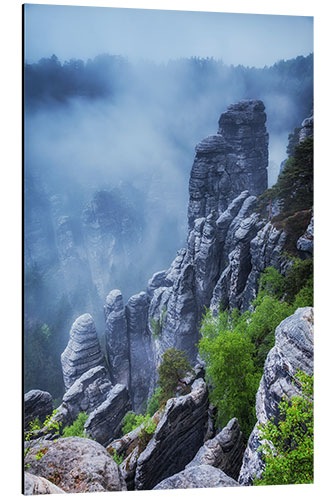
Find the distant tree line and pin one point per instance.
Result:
(111, 75)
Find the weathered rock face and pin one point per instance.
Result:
(82, 352)
(307, 129)
(117, 347)
(228, 163)
(177, 438)
(37, 404)
(140, 350)
(266, 249)
(305, 242)
(76, 465)
(200, 476)
(293, 351)
(224, 451)
(88, 392)
(112, 231)
(128, 447)
(36, 485)
(104, 422)
(237, 230)
(220, 265)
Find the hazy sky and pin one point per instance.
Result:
(84, 32)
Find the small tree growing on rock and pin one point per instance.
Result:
(174, 367)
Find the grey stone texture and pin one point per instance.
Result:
(82, 352)
(88, 392)
(116, 338)
(37, 404)
(199, 476)
(76, 465)
(224, 451)
(231, 161)
(177, 438)
(36, 485)
(104, 423)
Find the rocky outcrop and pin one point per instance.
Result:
(127, 447)
(76, 465)
(224, 451)
(177, 438)
(117, 347)
(112, 229)
(36, 485)
(266, 249)
(237, 231)
(37, 404)
(200, 476)
(140, 350)
(305, 242)
(293, 351)
(306, 129)
(88, 392)
(104, 423)
(231, 161)
(82, 352)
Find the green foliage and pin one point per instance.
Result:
(174, 367)
(288, 450)
(117, 458)
(297, 283)
(155, 401)
(146, 433)
(300, 275)
(304, 297)
(268, 314)
(157, 324)
(236, 345)
(50, 424)
(294, 187)
(77, 428)
(230, 368)
(131, 421)
(271, 283)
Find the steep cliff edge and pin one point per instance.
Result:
(293, 351)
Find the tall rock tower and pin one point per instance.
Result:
(233, 160)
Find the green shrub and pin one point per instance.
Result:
(147, 432)
(49, 425)
(77, 428)
(228, 352)
(294, 187)
(157, 324)
(117, 458)
(298, 276)
(131, 421)
(271, 283)
(235, 346)
(174, 367)
(155, 402)
(288, 452)
(261, 325)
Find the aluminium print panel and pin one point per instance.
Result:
(168, 249)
